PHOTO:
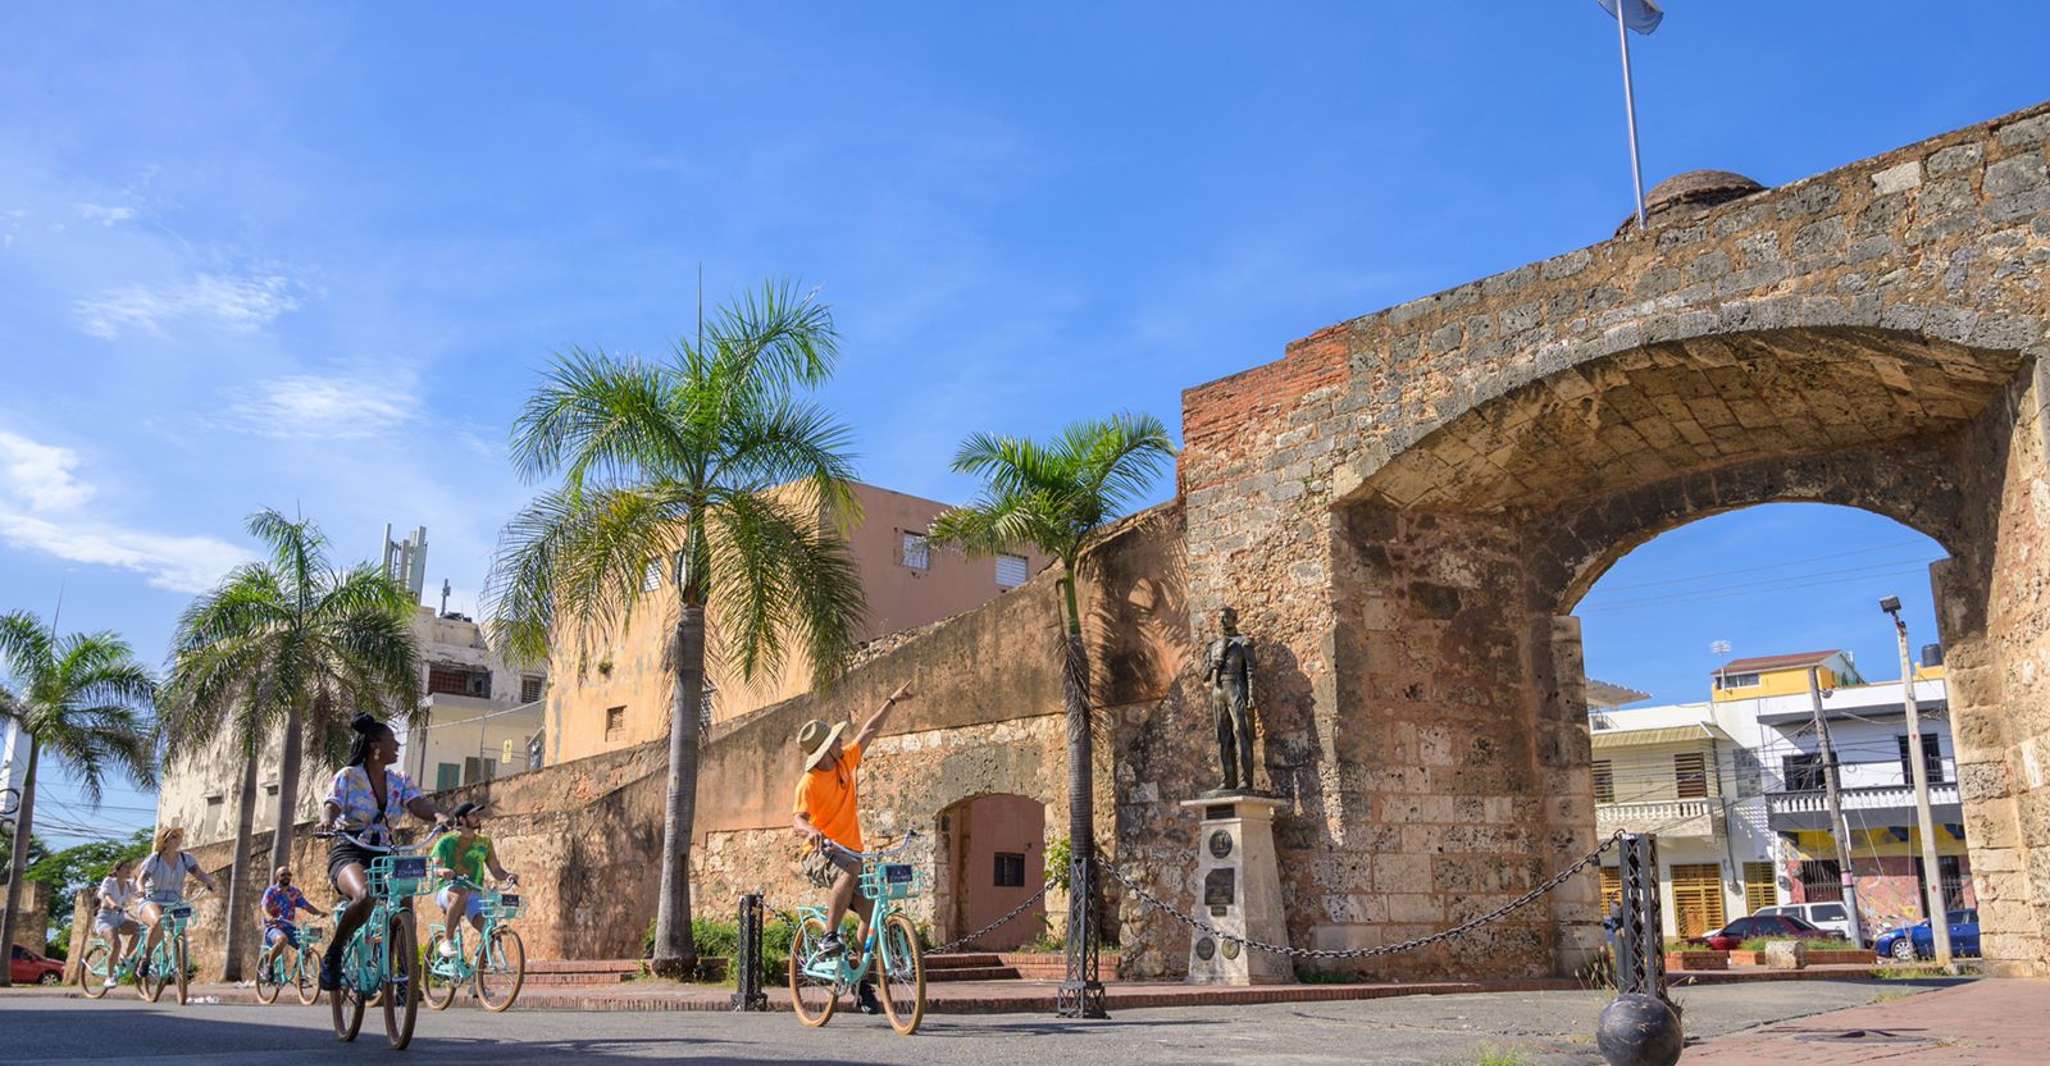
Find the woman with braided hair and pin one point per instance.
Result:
(367, 799)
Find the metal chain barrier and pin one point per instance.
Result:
(1592, 858)
(795, 919)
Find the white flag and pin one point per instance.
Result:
(1643, 16)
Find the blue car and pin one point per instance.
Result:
(1911, 942)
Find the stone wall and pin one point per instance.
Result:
(1406, 504)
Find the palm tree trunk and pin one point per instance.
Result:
(1081, 741)
(239, 881)
(288, 789)
(17, 865)
(676, 953)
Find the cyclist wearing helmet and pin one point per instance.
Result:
(368, 797)
(464, 854)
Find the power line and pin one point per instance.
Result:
(1707, 574)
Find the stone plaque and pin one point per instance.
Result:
(1220, 887)
(1219, 811)
(1220, 843)
(1205, 948)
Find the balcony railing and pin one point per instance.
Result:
(1674, 817)
(1880, 805)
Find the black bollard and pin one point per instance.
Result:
(747, 957)
(1639, 1030)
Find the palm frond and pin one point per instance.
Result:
(597, 418)
(780, 576)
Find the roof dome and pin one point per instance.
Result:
(1690, 194)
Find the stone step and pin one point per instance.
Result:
(961, 960)
(972, 973)
(535, 966)
(610, 977)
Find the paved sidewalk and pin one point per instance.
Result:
(1034, 997)
(1988, 1022)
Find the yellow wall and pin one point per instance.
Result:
(1779, 683)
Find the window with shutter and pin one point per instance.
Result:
(1604, 781)
(1690, 775)
(615, 723)
(530, 688)
(1759, 890)
(1010, 869)
(1698, 897)
(1011, 571)
(651, 575)
(1932, 759)
(1612, 887)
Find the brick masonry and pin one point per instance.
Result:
(1408, 505)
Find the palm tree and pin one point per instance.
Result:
(704, 463)
(1059, 498)
(84, 700)
(290, 642)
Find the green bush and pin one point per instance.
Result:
(1757, 943)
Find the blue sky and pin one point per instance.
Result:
(313, 255)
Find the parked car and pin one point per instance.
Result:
(1910, 942)
(29, 968)
(1776, 926)
(1830, 916)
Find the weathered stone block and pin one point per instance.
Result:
(1786, 955)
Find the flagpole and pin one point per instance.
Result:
(1630, 113)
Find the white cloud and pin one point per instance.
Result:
(331, 407)
(236, 303)
(41, 474)
(104, 214)
(40, 501)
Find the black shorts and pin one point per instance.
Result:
(341, 853)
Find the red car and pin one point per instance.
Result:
(1776, 926)
(30, 968)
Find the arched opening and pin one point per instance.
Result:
(992, 851)
(1699, 646)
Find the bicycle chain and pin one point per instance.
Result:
(1592, 858)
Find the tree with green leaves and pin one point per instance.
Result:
(84, 701)
(71, 870)
(707, 465)
(289, 643)
(1060, 498)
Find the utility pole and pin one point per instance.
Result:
(1939, 915)
(1837, 827)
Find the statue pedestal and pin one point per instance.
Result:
(1238, 891)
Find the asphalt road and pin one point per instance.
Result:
(1546, 1027)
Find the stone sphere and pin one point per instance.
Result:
(1638, 1030)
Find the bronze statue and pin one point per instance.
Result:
(1228, 671)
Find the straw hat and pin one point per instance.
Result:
(815, 738)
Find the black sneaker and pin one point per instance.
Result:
(830, 946)
(330, 973)
(866, 1000)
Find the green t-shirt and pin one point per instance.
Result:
(468, 863)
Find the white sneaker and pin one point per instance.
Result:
(109, 982)
(448, 949)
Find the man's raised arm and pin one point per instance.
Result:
(874, 725)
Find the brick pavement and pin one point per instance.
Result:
(1989, 1022)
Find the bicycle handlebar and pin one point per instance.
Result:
(870, 856)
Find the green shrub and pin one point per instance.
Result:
(1757, 943)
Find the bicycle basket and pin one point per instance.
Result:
(892, 880)
(398, 875)
(504, 905)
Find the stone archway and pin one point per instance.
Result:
(1407, 505)
(991, 854)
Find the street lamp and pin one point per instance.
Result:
(1932, 875)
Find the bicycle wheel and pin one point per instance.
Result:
(306, 975)
(156, 974)
(268, 977)
(401, 987)
(348, 1000)
(900, 970)
(812, 999)
(501, 969)
(93, 968)
(178, 968)
(438, 974)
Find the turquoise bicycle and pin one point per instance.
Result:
(168, 963)
(289, 967)
(496, 969)
(818, 980)
(382, 957)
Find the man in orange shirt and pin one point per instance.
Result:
(829, 811)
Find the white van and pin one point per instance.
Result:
(1830, 916)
